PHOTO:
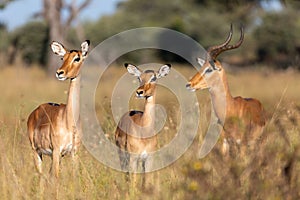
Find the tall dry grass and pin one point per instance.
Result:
(271, 172)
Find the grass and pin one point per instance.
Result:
(271, 172)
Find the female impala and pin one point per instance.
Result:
(135, 132)
(53, 129)
(247, 111)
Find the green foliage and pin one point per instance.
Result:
(3, 37)
(31, 40)
(208, 23)
(270, 37)
(4, 3)
(205, 21)
(202, 22)
(278, 38)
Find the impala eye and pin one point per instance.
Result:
(77, 59)
(208, 70)
(153, 79)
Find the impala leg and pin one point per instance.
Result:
(133, 164)
(124, 157)
(124, 160)
(225, 144)
(75, 158)
(149, 182)
(77, 133)
(55, 163)
(74, 154)
(75, 174)
(225, 147)
(75, 163)
(143, 172)
(132, 184)
(253, 143)
(38, 161)
(55, 172)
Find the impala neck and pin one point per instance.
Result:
(72, 107)
(221, 97)
(149, 110)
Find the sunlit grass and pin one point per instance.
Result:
(271, 172)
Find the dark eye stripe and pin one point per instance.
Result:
(153, 79)
(208, 70)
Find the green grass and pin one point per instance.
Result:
(271, 172)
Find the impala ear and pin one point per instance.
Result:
(133, 70)
(85, 48)
(163, 71)
(200, 61)
(58, 48)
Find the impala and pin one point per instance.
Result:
(54, 129)
(245, 115)
(135, 133)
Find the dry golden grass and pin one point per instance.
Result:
(271, 172)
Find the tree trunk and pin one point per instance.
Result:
(52, 14)
(58, 28)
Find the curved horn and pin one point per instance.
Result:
(239, 42)
(216, 50)
(216, 47)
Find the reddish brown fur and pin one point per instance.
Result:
(244, 117)
(54, 129)
(132, 143)
(135, 132)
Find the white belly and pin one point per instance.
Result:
(46, 151)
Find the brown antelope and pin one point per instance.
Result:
(54, 129)
(135, 134)
(247, 111)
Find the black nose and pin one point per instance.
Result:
(188, 85)
(139, 92)
(58, 73)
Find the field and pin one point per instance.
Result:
(271, 172)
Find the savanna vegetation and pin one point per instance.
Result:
(264, 67)
(272, 171)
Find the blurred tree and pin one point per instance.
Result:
(278, 39)
(32, 45)
(4, 42)
(58, 28)
(3, 37)
(3, 3)
(205, 21)
(291, 4)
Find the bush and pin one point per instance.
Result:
(277, 39)
(31, 40)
